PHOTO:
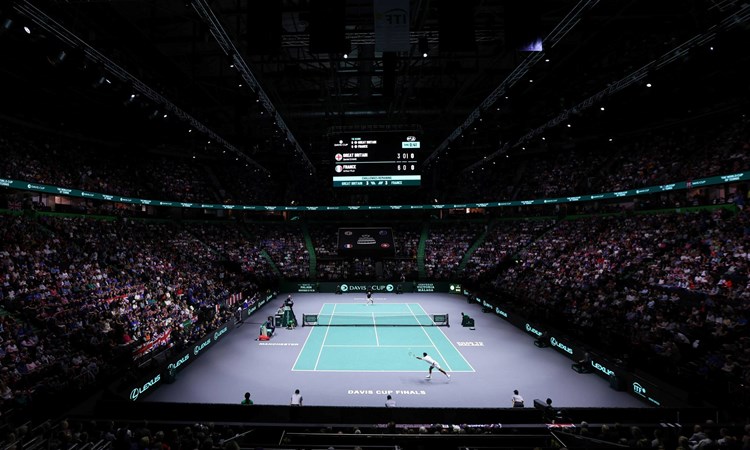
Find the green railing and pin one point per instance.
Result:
(681, 185)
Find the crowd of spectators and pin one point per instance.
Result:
(87, 295)
(104, 167)
(145, 435)
(287, 248)
(500, 244)
(233, 242)
(653, 159)
(667, 291)
(331, 266)
(446, 246)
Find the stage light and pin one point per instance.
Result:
(27, 30)
(648, 85)
(601, 109)
(346, 56)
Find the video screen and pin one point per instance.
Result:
(377, 159)
(372, 242)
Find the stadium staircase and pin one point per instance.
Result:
(274, 268)
(420, 251)
(479, 241)
(311, 252)
(250, 237)
(207, 245)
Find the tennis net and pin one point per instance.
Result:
(381, 319)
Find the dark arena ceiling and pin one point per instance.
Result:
(271, 78)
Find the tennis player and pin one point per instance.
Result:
(433, 365)
(369, 297)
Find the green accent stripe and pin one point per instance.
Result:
(420, 251)
(311, 252)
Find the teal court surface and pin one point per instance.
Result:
(359, 365)
(376, 338)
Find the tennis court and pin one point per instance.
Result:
(377, 338)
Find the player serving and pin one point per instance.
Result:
(433, 365)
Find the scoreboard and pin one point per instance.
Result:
(378, 159)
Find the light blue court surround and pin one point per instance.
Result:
(376, 348)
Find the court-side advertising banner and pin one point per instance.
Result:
(374, 286)
(682, 185)
(179, 362)
(648, 389)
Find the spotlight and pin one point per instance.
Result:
(130, 100)
(601, 109)
(648, 85)
(27, 30)
(346, 56)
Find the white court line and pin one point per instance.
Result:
(369, 370)
(320, 352)
(375, 329)
(312, 330)
(451, 343)
(362, 313)
(368, 346)
(428, 337)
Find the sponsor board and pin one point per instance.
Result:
(386, 392)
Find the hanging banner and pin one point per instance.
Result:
(391, 25)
